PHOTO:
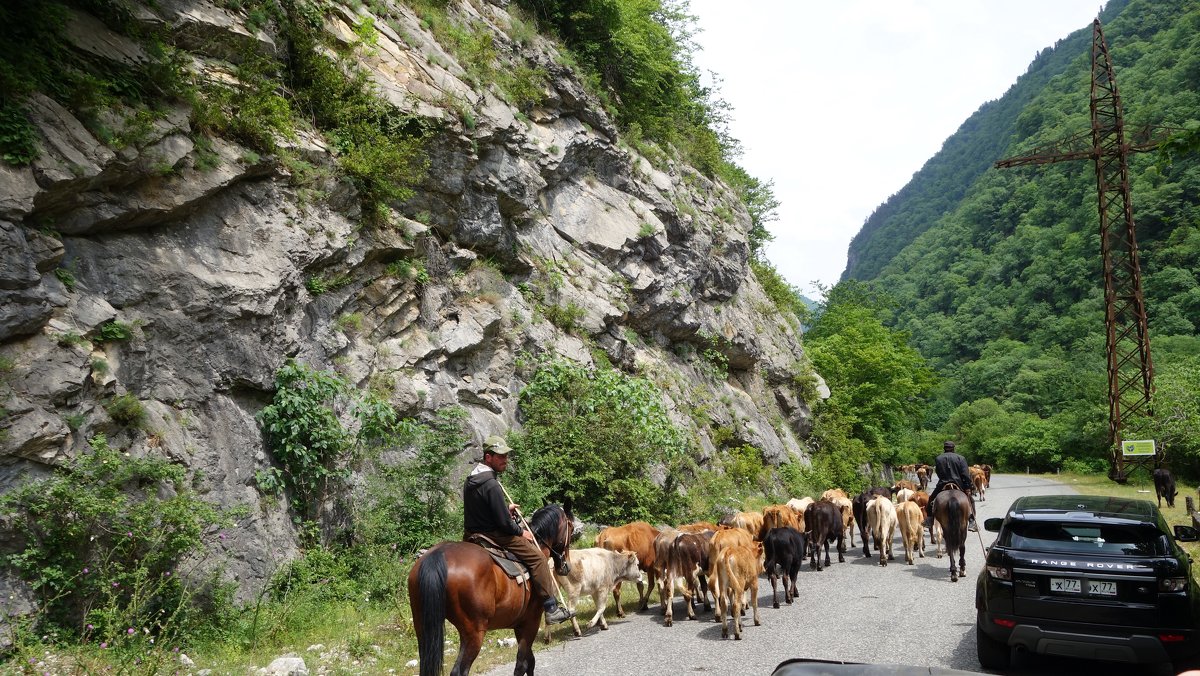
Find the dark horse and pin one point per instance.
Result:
(952, 509)
(458, 581)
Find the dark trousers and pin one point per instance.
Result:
(531, 556)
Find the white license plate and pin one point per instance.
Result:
(1066, 585)
(1102, 587)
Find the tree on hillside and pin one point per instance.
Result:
(878, 382)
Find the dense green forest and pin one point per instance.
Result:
(995, 277)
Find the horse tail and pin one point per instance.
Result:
(956, 521)
(431, 581)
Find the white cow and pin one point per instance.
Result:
(908, 515)
(881, 519)
(594, 571)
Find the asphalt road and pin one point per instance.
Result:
(855, 611)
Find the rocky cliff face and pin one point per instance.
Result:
(221, 268)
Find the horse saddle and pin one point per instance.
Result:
(508, 562)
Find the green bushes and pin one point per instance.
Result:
(126, 410)
(592, 439)
(103, 540)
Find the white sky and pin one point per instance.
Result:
(841, 102)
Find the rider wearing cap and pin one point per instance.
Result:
(951, 468)
(486, 511)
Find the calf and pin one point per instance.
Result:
(881, 515)
(687, 562)
(594, 572)
(637, 537)
(902, 484)
(784, 551)
(1164, 486)
(823, 524)
(859, 504)
(738, 569)
(909, 517)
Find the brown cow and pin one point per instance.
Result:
(832, 493)
(724, 539)
(902, 484)
(687, 561)
(637, 537)
(923, 477)
(699, 528)
(979, 480)
(662, 553)
(847, 508)
(776, 516)
(751, 522)
(738, 569)
(910, 516)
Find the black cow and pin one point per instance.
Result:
(823, 524)
(1164, 487)
(859, 504)
(784, 548)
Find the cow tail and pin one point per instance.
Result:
(431, 581)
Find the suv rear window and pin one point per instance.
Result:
(1086, 538)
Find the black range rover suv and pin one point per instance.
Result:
(1090, 577)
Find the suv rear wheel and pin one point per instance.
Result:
(992, 653)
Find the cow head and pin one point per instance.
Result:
(627, 568)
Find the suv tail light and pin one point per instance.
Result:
(1172, 584)
(1000, 572)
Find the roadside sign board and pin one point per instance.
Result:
(1137, 448)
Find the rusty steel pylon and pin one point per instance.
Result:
(1130, 369)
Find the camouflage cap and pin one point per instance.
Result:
(495, 445)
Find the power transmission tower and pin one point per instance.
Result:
(1130, 369)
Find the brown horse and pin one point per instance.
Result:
(458, 581)
(952, 510)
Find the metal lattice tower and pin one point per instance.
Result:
(1130, 369)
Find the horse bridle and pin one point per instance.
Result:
(560, 558)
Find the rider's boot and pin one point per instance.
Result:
(971, 525)
(556, 613)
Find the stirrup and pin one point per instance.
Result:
(559, 614)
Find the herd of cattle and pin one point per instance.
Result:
(724, 560)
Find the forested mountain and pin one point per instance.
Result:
(982, 139)
(995, 274)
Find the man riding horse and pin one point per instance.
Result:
(487, 512)
(951, 468)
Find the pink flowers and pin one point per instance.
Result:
(130, 632)
(220, 536)
(103, 646)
